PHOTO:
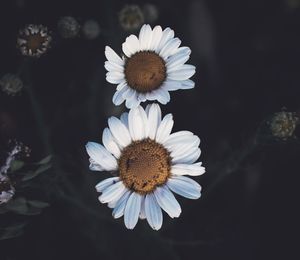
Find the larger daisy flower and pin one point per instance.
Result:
(153, 65)
(149, 162)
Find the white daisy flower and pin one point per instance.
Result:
(150, 163)
(153, 65)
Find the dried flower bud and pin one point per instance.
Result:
(34, 40)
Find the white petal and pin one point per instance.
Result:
(188, 158)
(183, 49)
(188, 169)
(183, 146)
(118, 97)
(189, 180)
(112, 56)
(101, 156)
(145, 36)
(166, 36)
(110, 143)
(147, 109)
(171, 85)
(113, 192)
(122, 85)
(163, 96)
(177, 136)
(102, 185)
(176, 61)
(152, 95)
(142, 212)
(142, 35)
(131, 45)
(170, 48)
(113, 203)
(95, 166)
(124, 119)
(115, 77)
(138, 123)
(132, 210)
(167, 201)
(154, 119)
(153, 212)
(128, 93)
(120, 205)
(164, 129)
(110, 66)
(119, 131)
(183, 73)
(141, 97)
(133, 101)
(187, 84)
(156, 37)
(188, 189)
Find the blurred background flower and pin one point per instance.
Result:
(68, 27)
(131, 17)
(11, 84)
(283, 124)
(91, 29)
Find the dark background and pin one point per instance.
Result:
(247, 58)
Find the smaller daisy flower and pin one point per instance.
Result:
(150, 163)
(153, 65)
(131, 17)
(34, 40)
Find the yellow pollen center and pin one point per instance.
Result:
(145, 71)
(144, 165)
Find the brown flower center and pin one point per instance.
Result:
(145, 71)
(144, 165)
(35, 41)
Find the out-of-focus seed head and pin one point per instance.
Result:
(283, 124)
(151, 13)
(11, 84)
(68, 27)
(131, 17)
(91, 29)
(34, 40)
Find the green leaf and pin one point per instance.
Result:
(16, 165)
(43, 168)
(38, 204)
(46, 160)
(31, 175)
(12, 231)
(17, 205)
(3, 209)
(26, 207)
